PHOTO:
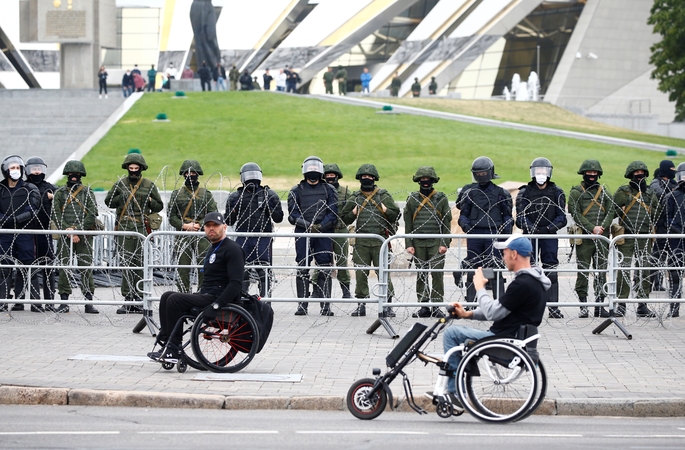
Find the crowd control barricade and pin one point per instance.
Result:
(104, 259)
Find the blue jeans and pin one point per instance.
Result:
(220, 84)
(455, 336)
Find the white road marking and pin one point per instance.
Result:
(645, 435)
(212, 432)
(514, 435)
(28, 433)
(361, 432)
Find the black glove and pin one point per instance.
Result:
(300, 222)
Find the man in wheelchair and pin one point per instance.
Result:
(223, 280)
(523, 303)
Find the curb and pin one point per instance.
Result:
(26, 395)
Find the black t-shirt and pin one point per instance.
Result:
(223, 271)
(525, 300)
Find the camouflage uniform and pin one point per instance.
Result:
(395, 86)
(328, 81)
(637, 208)
(131, 216)
(74, 208)
(428, 212)
(233, 77)
(188, 206)
(341, 76)
(591, 205)
(370, 219)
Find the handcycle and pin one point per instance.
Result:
(220, 339)
(499, 379)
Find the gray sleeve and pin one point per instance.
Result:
(489, 309)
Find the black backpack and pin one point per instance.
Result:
(262, 313)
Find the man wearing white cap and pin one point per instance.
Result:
(523, 303)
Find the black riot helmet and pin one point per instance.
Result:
(680, 173)
(539, 168)
(34, 164)
(311, 166)
(483, 170)
(250, 171)
(10, 160)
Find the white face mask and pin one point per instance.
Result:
(541, 179)
(15, 174)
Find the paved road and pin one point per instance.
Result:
(329, 354)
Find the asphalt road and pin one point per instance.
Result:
(106, 428)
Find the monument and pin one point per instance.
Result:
(203, 20)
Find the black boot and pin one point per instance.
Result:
(326, 309)
(620, 310)
(423, 312)
(387, 311)
(555, 313)
(600, 311)
(37, 308)
(644, 311)
(90, 309)
(302, 309)
(302, 288)
(63, 308)
(437, 312)
(360, 311)
(346, 290)
(674, 311)
(583, 309)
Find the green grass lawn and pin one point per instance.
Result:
(224, 130)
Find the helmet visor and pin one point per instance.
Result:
(36, 169)
(250, 175)
(12, 160)
(545, 171)
(312, 165)
(680, 176)
(482, 176)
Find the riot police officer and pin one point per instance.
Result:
(675, 223)
(135, 199)
(591, 206)
(541, 209)
(19, 202)
(427, 211)
(662, 184)
(375, 212)
(35, 174)
(313, 208)
(187, 209)
(254, 208)
(637, 208)
(75, 209)
(485, 208)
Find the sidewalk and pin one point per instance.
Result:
(588, 374)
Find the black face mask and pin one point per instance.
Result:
(367, 184)
(590, 180)
(426, 187)
(333, 181)
(251, 185)
(134, 175)
(73, 179)
(35, 178)
(191, 181)
(313, 176)
(639, 182)
(484, 185)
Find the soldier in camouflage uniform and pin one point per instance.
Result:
(186, 211)
(134, 198)
(328, 80)
(375, 212)
(428, 212)
(395, 85)
(637, 208)
(341, 76)
(591, 206)
(74, 208)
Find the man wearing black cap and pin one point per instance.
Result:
(523, 303)
(223, 280)
(663, 184)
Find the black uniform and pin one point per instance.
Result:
(45, 253)
(251, 209)
(223, 281)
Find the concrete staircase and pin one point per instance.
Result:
(50, 123)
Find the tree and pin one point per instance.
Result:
(668, 56)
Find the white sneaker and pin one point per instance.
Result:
(100, 96)
(106, 96)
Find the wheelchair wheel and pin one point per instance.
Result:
(497, 382)
(362, 407)
(541, 391)
(227, 341)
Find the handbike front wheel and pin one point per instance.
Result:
(497, 382)
(227, 341)
(362, 407)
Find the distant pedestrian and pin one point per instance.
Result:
(127, 83)
(138, 82)
(170, 74)
(281, 81)
(102, 79)
(233, 77)
(416, 88)
(245, 81)
(395, 85)
(267, 80)
(433, 87)
(255, 85)
(135, 70)
(187, 74)
(151, 78)
(341, 76)
(328, 80)
(291, 82)
(366, 80)
(205, 74)
(219, 75)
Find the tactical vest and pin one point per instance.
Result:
(343, 195)
(197, 210)
(313, 201)
(370, 219)
(486, 211)
(596, 214)
(429, 219)
(542, 207)
(638, 219)
(73, 213)
(253, 211)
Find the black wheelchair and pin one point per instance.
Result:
(499, 379)
(218, 339)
